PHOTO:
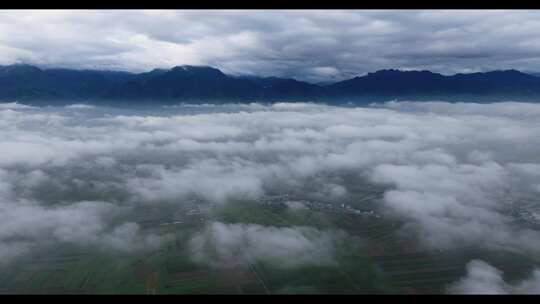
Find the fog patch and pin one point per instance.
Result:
(296, 205)
(230, 244)
(25, 225)
(80, 106)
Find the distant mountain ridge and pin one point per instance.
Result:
(410, 83)
(203, 83)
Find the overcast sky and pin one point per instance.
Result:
(309, 45)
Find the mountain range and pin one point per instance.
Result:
(21, 82)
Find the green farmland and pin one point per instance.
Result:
(375, 259)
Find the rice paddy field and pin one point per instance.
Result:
(377, 258)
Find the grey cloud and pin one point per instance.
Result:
(282, 247)
(279, 43)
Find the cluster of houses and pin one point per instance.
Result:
(283, 199)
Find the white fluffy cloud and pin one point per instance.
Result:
(455, 173)
(26, 224)
(483, 278)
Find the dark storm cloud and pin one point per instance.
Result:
(311, 45)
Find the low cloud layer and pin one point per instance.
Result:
(483, 278)
(456, 174)
(311, 45)
(26, 224)
(226, 245)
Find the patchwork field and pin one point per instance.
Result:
(375, 259)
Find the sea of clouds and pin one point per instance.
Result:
(452, 171)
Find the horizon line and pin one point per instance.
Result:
(44, 68)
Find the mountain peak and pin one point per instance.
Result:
(507, 72)
(199, 82)
(19, 68)
(194, 68)
(390, 72)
